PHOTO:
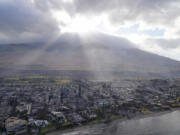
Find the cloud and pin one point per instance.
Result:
(33, 18)
(167, 43)
(120, 11)
(33, 21)
(167, 47)
(21, 21)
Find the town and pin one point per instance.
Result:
(38, 105)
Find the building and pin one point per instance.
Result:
(15, 126)
(59, 116)
(41, 123)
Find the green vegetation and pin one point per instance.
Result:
(40, 134)
(178, 99)
(66, 125)
(1, 127)
(48, 128)
(32, 80)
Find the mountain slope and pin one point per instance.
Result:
(93, 52)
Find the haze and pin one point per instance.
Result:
(150, 25)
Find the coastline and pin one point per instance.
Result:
(102, 122)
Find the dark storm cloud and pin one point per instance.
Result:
(22, 20)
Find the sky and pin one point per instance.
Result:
(151, 25)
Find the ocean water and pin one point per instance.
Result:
(164, 124)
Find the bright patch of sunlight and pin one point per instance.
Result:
(78, 24)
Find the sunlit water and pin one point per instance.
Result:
(166, 124)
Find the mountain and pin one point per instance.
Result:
(95, 52)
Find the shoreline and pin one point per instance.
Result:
(101, 122)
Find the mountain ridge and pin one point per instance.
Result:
(95, 52)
